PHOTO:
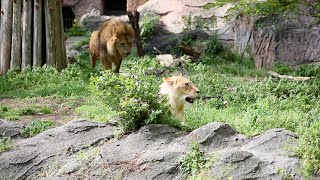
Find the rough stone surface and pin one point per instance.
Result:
(275, 39)
(71, 51)
(10, 128)
(88, 150)
(167, 42)
(81, 7)
(93, 21)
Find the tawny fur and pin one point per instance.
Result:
(112, 42)
(180, 90)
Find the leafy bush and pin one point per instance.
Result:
(75, 30)
(193, 161)
(214, 46)
(36, 127)
(133, 97)
(148, 24)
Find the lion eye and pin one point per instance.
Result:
(187, 84)
(122, 44)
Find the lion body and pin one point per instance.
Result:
(180, 90)
(112, 42)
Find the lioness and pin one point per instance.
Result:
(180, 91)
(112, 42)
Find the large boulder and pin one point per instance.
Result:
(90, 150)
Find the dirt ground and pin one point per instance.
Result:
(62, 110)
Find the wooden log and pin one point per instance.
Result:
(188, 50)
(26, 34)
(16, 36)
(37, 33)
(134, 21)
(6, 30)
(49, 28)
(294, 78)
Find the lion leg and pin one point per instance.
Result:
(118, 64)
(107, 65)
(93, 60)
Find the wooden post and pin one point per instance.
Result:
(50, 45)
(16, 36)
(37, 33)
(134, 21)
(56, 54)
(6, 30)
(61, 57)
(26, 34)
(62, 45)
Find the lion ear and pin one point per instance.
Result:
(168, 80)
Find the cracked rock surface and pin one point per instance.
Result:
(88, 150)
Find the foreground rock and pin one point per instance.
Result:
(88, 150)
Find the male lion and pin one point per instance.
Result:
(180, 91)
(112, 42)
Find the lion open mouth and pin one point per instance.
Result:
(189, 100)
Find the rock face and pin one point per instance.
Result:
(89, 150)
(81, 7)
(275, 39)
(10, 128)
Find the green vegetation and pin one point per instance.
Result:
(27, 111)
(148, 25)
(232, 91)
(194, 161)
(197, 22)
(79, 44)
(266, 8)
(36, 127)
(133, 97)
(75, 30)
(46, 110)
(5, 143)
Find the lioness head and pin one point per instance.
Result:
(179, 89)
(122, 39)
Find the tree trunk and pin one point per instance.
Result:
(50, 44)
(6, 30)
(134, 21)
(16, 35)
(37, 33)
(26, 34)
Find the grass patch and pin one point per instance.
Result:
(27, 111)
(5, 143)
(46, 110)
(36, 127)
(96, 110)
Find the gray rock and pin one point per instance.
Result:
(71, 51)
(34, 156)
(88, 150)
(10, 128)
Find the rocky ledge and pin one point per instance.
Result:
(90, 150)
